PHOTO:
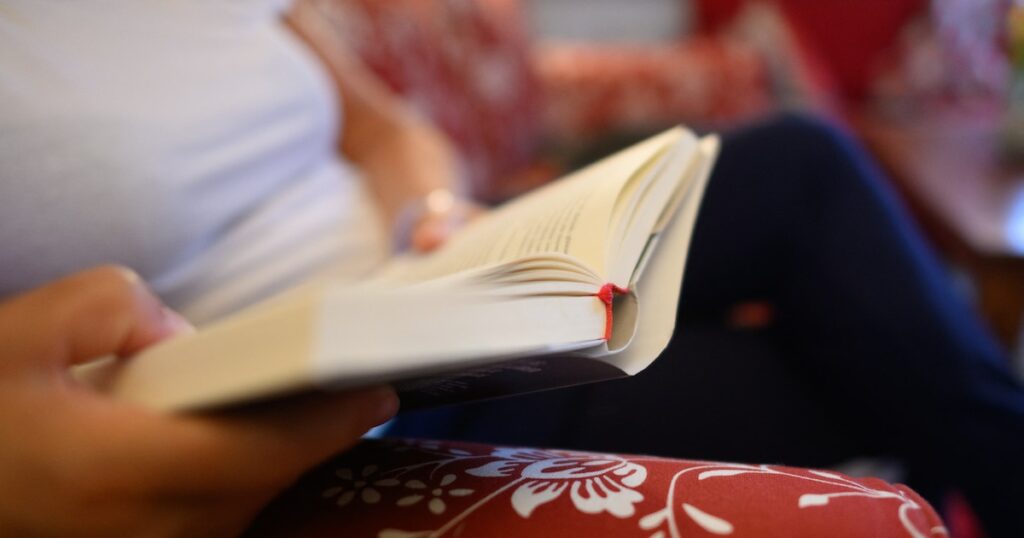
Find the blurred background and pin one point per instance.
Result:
(933, 88)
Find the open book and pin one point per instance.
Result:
(574, 282)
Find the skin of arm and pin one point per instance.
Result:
(76, 463)
(404, 157)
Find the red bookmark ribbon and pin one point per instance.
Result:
(607, 294)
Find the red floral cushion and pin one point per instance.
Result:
(407, 489)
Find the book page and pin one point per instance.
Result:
(658, 288)
(571, 217)
(648, 204)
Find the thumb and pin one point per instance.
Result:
(102, 311)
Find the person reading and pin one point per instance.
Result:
(228, 151)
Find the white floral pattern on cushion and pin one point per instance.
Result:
(419, 489)
(364, 485)
(436, 504)
(596, 483)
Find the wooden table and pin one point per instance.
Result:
(969, 199)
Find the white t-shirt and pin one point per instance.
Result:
(192, 140)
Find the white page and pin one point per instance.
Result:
(658, 289)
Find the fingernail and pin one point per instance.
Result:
(387, 405)
(175, 323)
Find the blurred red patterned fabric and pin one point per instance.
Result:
(471, 66)
(595, 88)
(412, 488)
(462, 63)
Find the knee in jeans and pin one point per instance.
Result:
(812, 133)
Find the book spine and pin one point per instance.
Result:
(607, 295)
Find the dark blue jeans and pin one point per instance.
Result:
(869, 353)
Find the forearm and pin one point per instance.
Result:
(402, 155)
(403, 162)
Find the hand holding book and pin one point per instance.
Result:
(527, 283)
(77, 463)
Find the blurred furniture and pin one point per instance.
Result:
(509, 102)
(846, 38)
(948, 166)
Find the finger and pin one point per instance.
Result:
(268, 447)
(103, 311)
(436, 228)
(430, 234)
